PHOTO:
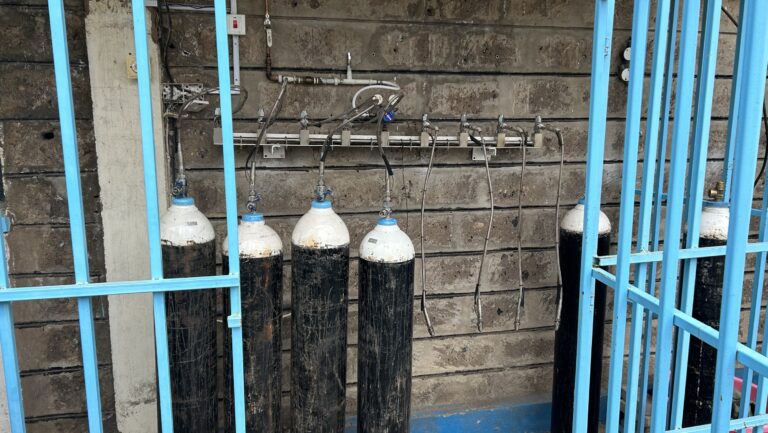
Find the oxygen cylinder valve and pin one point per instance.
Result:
(253, 199)
(180, 186)
(322, 192)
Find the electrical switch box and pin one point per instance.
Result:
(236, 24)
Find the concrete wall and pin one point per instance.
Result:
(47, 332)
(519, 58)
(514, 57)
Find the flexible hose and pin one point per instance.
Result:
(424, 311)
(520, 299)
(561, 143)
(250, 162)
(478, 307)
(321, 189)
(180, 175)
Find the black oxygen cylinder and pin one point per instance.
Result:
(189, 250)
(385, 329)
(566, 336)
(707, 300)
(261, 291)
(319, 298)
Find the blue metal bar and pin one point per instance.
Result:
(733, 119)
(626, 211)
(234, 320)
(754, 60)
(673, 227)
(598, 112)
(657, 204)
(153, 214)
(753, 332)
(8, 344)
(685, 253)
(646, 200)
(734, 425)
(75, 203)
(116, 288)
(746, 355)
(696, 174)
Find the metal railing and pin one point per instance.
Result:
(690, 76)
(83, 290)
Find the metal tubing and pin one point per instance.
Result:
(153, 214)
(598, 108)
(234, 319)
(754, 60)
(626, 212)
(646, 200)
(696, 174)
(680, 137)
(75, 204)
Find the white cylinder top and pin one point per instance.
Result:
(573, 221)
(184, 224)
(255, 238)
(386, 243)
(320, 228)
(714, 223)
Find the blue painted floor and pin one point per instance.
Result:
(518, 418)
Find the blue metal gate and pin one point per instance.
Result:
(83, 289)
(690, 77)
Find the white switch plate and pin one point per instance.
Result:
(236, 25)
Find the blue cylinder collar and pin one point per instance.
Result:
(183, 201)
(253, 217)
(387, 221)
(325, 204)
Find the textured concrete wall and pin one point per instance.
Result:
(47, 332)
(519, 58)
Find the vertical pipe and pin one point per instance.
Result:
(748, 110)
(153, 214)
(733, 119)
(663, 22)
(697, 172)
(598, 112)
(8, 345)
(626, 212)
(657, 206)
(234, 321)
(673, 227)
(75, 205)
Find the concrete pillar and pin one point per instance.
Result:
(109, 33)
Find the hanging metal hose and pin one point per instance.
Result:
(250, 162)
(386, 112)
(321, 190)
(424, 311)
(478, 307)
(179, 188)
(520, 298)
(561, 143)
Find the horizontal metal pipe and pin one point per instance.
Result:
(117, 288)
(286, 139)
(736, 424)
